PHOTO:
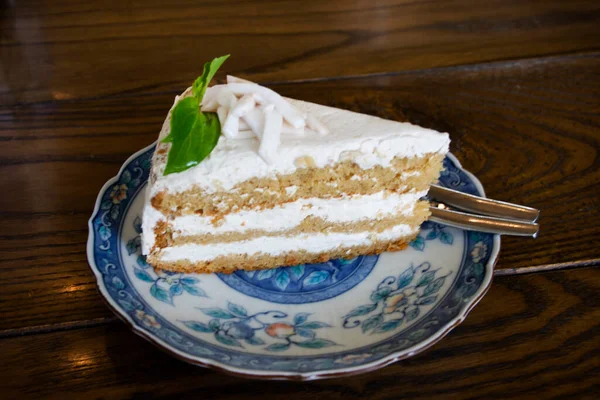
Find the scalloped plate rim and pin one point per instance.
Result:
(297, 376)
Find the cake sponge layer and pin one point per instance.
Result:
(359, 245)
(310, 224)
(344, 178)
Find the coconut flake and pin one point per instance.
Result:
(259, 99)
(222, 113)
(255, 119)
(226, 98)
(244, 126)
(287, 111)
(231, 126)
(235, 79)
(271, 136)
(245, 104)
(246, 110)
(211, 93)
(211, 106)
(244, 133)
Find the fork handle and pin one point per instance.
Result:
(483, 224)
(482, 205)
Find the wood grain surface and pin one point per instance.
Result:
(516, 83)
(530, 135)
(532, 336)
(72, 49)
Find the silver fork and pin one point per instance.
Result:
(482, 214)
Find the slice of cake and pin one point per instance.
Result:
(287, 182)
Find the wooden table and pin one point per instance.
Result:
(516, 83)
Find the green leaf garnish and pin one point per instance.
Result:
(210, 69)
(194, 134)
(200, 134)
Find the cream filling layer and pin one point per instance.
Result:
(311, 243)
(290, 215)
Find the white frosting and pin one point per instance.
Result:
(150, 218)
(290, 215)
(365, 139)
(312, 243)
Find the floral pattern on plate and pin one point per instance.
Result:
(431, 231)
(304, 283)
(301, 322)
(397, 300)
(235, 325)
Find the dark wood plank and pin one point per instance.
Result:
(529, 130)
(532, 336)
(68, 50)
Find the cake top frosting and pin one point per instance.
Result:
(366, 140)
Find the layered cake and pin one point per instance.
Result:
(285, 182)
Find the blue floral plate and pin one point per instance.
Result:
(312, 321)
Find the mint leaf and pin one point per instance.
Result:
(210, 69)
(193, 134)
(183, 118)
(189, 149)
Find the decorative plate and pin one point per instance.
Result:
(313, 321)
